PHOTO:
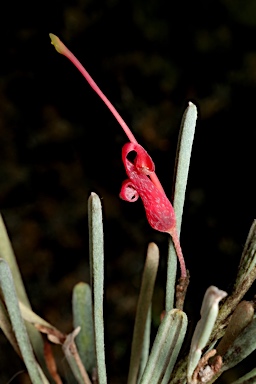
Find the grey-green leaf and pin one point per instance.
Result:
(11, 301)
(97, 277)
(182, 163)
(6, 326)
(243, 346)
(82, 317)
(204, 327)
(6, 252)
(143, 308)
(166, 348)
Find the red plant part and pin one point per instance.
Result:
(159, 211)
(142, 180)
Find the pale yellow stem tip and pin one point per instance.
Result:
(58, 45)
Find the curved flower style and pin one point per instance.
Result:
(143, 181)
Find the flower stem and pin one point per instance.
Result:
(176, 242)
(62, 49)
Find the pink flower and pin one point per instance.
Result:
(159, 211)
(142, 180)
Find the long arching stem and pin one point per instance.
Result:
(62, 49)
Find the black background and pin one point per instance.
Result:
(58, 143)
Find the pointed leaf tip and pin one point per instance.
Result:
(58, 45)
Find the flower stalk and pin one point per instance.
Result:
(143, 181)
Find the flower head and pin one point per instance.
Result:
(142, 180)
(159, 211)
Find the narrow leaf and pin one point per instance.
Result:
(143, 307)
(31, 317)
(166, 348)
(11, 301)
(6, 327)
(97, 276)
(146, 345)
(209, 312)
(6, 252)
(82, 317)
(241, 317)
(243, 346)
(183, 156)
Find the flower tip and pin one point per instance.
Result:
(58, 45)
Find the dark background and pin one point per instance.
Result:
(58, 142)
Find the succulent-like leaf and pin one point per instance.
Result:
(97, 277)
(7, 253)
(183, 155)
(11, 301)
(31, 317)
(182, 162)
(241, 317)
(143, 308)
(82, 317)
(6, 326)
(146, 345)
(243, 346)
(166, 348)
(209, 312)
